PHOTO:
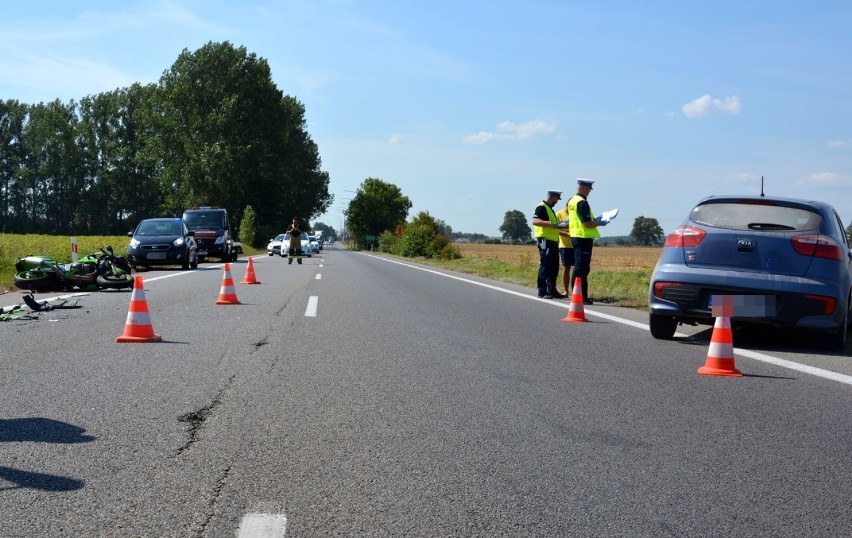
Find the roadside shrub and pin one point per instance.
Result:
(248, 227)
(388, 242)
(450, 252)
(417, 241)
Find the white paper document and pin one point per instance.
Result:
(610, 215)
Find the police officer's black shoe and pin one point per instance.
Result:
(557, 295)
(545, 296)
(588, 301)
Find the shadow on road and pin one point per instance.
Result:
(45, 482)
(41, 430)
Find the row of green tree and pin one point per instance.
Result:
(215, 130)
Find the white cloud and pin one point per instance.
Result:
(512, 131)
(395, 138)
(834, 144)
(706, 105)
(824, 179)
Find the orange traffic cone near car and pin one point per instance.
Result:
(227, 294)
(575, 309)
(720, 355)
(138, 327)
(250, 277)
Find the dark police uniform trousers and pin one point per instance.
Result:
(548, 266)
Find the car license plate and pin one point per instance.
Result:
(202, 253)
(156, 255)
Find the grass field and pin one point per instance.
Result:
(620, 275)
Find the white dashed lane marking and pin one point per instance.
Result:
(319, 276)
(263, 526)
(311, 310)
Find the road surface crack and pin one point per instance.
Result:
(197, 418)
(217, 491)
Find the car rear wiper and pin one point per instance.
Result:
(768, 226)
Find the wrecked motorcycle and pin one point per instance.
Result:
(100, 270)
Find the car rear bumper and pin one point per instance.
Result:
(789, 301)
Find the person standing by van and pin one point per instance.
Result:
(295, 250)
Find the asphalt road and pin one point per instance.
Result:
(358, 396)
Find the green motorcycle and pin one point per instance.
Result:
(97, 271)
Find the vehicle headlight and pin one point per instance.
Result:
(134, 243)
(178, 242)
(220, 239)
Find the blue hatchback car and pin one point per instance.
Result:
(786, 261)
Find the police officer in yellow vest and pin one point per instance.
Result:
(546, 230)
(583, 228)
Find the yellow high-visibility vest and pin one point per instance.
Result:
(551, 234)
(564, 241)
(575, 225)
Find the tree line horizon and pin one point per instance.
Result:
(214, 130)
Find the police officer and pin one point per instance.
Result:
(583, 228)
(546, 230)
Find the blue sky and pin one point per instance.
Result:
(474, 108)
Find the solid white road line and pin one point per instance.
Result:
(783, 363)
(263, 526)
(311, 310)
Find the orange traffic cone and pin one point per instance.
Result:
(575, 309)
(250, 278)
(720, 355)
(227, 295)
(138, 327)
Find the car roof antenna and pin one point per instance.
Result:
(761, 187)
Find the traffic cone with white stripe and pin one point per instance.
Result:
(575, 309)
(720, 355)
(138, 327)
(227, 294)
(250, 277)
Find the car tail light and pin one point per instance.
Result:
(660, 287)
(819, 246)
(685, 236)
(828, 303)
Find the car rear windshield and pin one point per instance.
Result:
(204, 220)
(755, 216)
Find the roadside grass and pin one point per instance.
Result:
(58, 247)
(619, 288)
(620, 275)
